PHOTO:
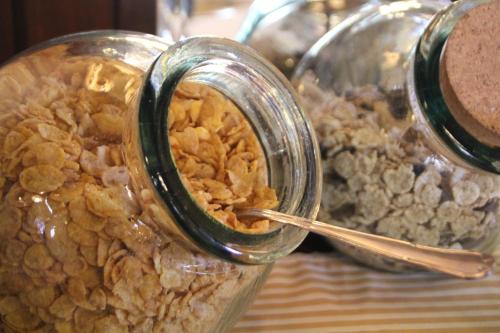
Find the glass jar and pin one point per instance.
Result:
(97, 231)
(283, 31)
(395, 161)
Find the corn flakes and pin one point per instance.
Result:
(11, 221)
(62, 307)
(82, 216)
(37, 257)
(80, 250)
(41, 178)
(219, 156)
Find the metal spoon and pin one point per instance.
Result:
(458, 263)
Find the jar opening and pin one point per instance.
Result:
(267, 101)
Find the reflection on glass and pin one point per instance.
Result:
(171, 17)
(182, 18)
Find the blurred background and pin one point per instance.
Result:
(24, 23)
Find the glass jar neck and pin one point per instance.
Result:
(427, 101)
(267, 101)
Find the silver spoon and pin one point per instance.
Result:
(458, 263)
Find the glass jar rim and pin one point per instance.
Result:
(149, 43)
(205, 59)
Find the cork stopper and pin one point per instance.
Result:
(470, 73)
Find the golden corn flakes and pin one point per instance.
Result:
(14, 251)
(37, 257)
(82, 236)
(218, 155)
(110, 126)
(62, 307)
(83, 217)
(101, 202)
(42, 297)
(76, 290)
(47, 153)
(109, 324)
(22, 320)
(41, 178)
(90, 254)
(80, 249)
(58, 242)
(97, 299)
(75, 267)
(52, 133)
(10, 221)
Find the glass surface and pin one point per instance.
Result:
(183, 18)
(220, 18)
(370, 47)
(283, 31)
(385, 169)
(172, 17)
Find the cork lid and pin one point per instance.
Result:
(470, 72)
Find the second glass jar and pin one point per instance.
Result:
(393, 162)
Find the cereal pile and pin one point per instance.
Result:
(79, 247)
(219, 156)
(380, 177)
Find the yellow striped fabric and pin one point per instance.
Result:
(327, 293)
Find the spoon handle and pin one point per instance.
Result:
(458, 263)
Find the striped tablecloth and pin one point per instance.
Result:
(327, 293)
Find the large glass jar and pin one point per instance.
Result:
(284, 30)
(396, 161)
(97, 231)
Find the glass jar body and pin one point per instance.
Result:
(284, 30)
(386, 171)
(81, 250)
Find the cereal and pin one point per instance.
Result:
(52, 133)
(45, 153)
(37, 257)
(343, 164)
(75, 267)
(465, 192)
(399, 180)
(60, 246)
(109, 324)
(11, 221)
(22, 320)
(14, 251)
(41, 178)
(115, 175)
(97, 299)
(380, 176)
(62, 307)
(80, 249)
(42, 297)
(110, 126)
(206, 147)
(101, 202)
(83, 217)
